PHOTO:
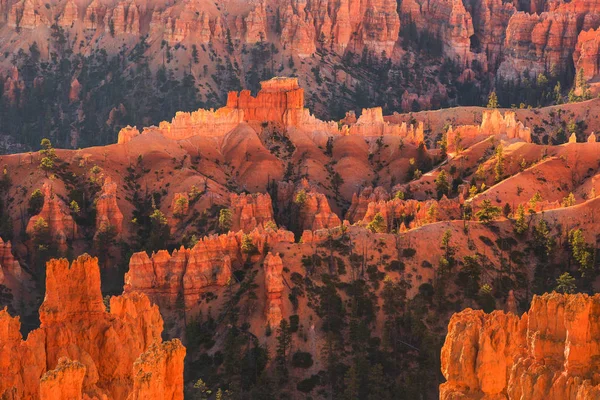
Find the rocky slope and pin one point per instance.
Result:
(363, 237)
(118, 354)
(548, 353)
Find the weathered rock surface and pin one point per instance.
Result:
(492, 123)
(250, 211)
(108, 213)
(56, 214)
(179, 280)
(548, 353)
(9, 266)
(587, 53)
(273, 266)
(103, 345)
(400, 214)
(371, 123)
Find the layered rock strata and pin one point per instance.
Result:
(179, 280)
(548, 353)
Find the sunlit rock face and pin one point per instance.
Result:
(550, 352)
(82, 350)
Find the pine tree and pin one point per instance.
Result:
(284, 340)
(225, 220)
(378, 224)
(487, 212)
(441, 184)
(492, 100)
(566, 284)
(499, 167)
(520, 223)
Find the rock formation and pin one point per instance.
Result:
(108, 213)
(274, 287)
(371, 123)
(104, 346)
(587, 53)
(57, 216)
(361, 201)
(63, 382)
(127, 134)
(548, 353)
(493, 123)
(315, 213)
(544, 41)
(250, 211)
(277, 98)
(406, 214)
(179, 280)
(8, 265)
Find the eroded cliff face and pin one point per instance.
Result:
(587, 53)
(548, 353)
(56, 215)
(108, 213)
(494, 123)
(9, 266)
(546, 39)
(251, 211)
(273, 266)
(104, 346)
(399, 214)
(179, 282)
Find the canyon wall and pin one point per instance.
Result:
(82, 349)
(548, 353)
(178, 282)
(399, 214)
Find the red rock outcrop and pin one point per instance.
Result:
(448, 20)
(274, 287)
(406, 214)
(56, 214)
(277, 97)
(8, 265)
(587, 53)
(180, 279)
(63, 382)
(250, 211)
(371, 123)
(360, 202)
(107, 209)
(548, 353)
(75, 324)
(127, 134)
(545, 41)
(123, 18)
(315, 213)
(493, 123)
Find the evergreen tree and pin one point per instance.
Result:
(487, 211)
(566, 284)
(492, 100)
(441, 184)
